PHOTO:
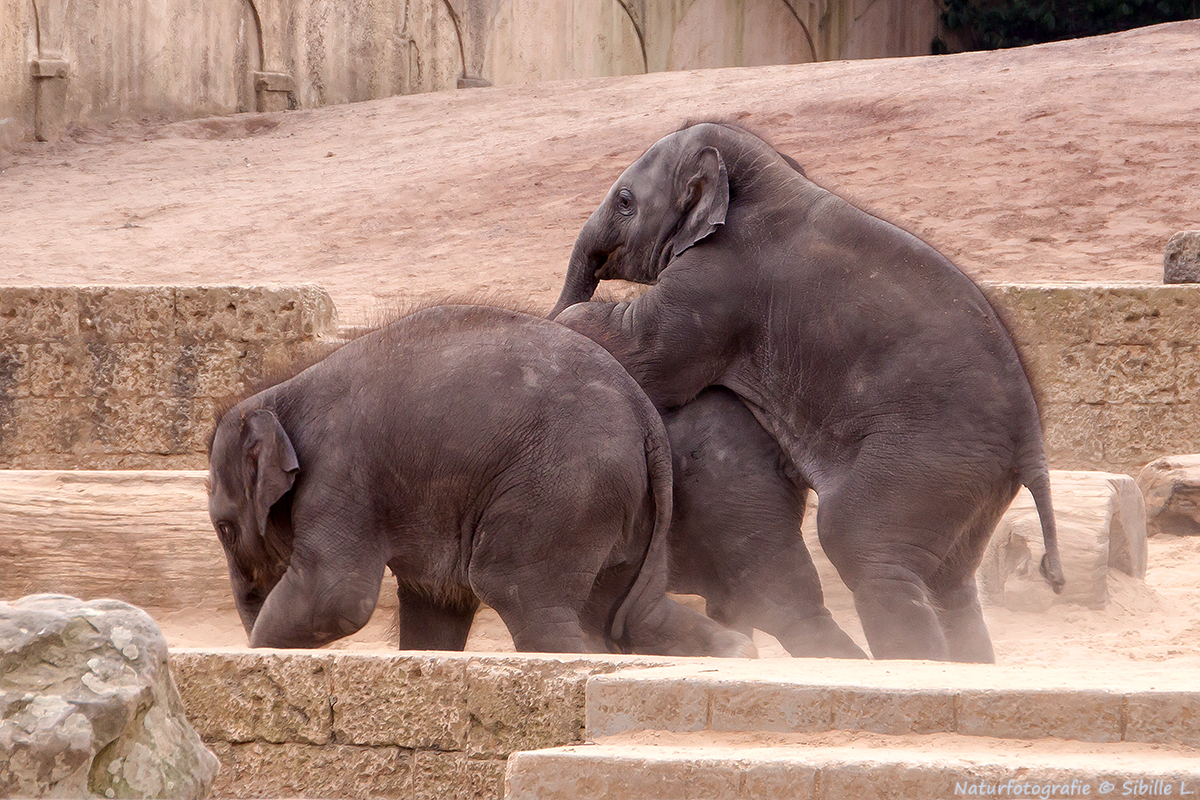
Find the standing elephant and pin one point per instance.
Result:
(879, 368)
(479, 454)
(735, 530)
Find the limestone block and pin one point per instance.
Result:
(38, 314)
(615, 706)
(1163, 716)
(44, 425)
(922, 776)
(454, 776)
(88, 707)
(126, 313)
(414, 701)
(261, 695)
(1181, 258)
(1062, 714)
(263, 769)
(254, 313)
(519, 704)
(1171, 486)
(594, 772)
(744, 707)
(893, 711)
(1101, 522)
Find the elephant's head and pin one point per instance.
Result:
(252, 465)
(672, 197)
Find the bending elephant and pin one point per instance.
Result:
(879, 368)
(457, 447)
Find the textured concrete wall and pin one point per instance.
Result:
(388, 725)
(1117, 369)
(97, 378)
(103, 377)
(17, 43)
(102, 60)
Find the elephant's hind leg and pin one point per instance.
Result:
(961, 616)
(955, 593)
(536, 568)
(881, 553)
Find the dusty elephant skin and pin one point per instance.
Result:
(735, 530)
(878, 366)
(88, 707)
(480, 455)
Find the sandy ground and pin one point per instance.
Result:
(1155, 623)
(1073, 161)
(1066, 162)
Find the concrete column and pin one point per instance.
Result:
(49, 98)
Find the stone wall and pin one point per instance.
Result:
(131, 377)
(89, 63)
(388, 725)
(1117, 369)
(103, 378)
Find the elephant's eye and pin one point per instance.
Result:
(625, 202)
(225, 532)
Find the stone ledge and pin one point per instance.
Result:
(481, 704)
(395, 725)
(665, 767)
(986, 700)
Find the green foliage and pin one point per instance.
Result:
(1013, 23)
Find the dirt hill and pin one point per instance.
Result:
(1073, 161)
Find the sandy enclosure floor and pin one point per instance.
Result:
(1066, 162)
(1151, 623)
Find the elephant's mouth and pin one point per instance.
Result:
(605, 265)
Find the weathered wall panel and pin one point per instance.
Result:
(131, 377)
(18, 42)
(95, 61)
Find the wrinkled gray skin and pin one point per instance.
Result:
(479, 454)
(879, 368)
(735, 531)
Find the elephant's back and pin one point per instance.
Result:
(462, 379)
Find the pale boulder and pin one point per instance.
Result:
(1171, 486)
(1101, 522)
(88, 707)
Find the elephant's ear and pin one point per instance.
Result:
(270, 452)
(704, 197)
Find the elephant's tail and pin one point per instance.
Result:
(1036, 476)
(652, 574)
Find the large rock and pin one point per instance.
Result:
(1181, 258)
(1101, 522)
(88, 707)
(1171, 486)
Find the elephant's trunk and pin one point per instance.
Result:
(581, 280)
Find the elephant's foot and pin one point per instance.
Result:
(669, 629)
(961, 617)
(818, 637)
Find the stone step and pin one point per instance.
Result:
(846, 766)
(1141, 704)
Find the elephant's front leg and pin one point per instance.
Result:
(329, 591)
